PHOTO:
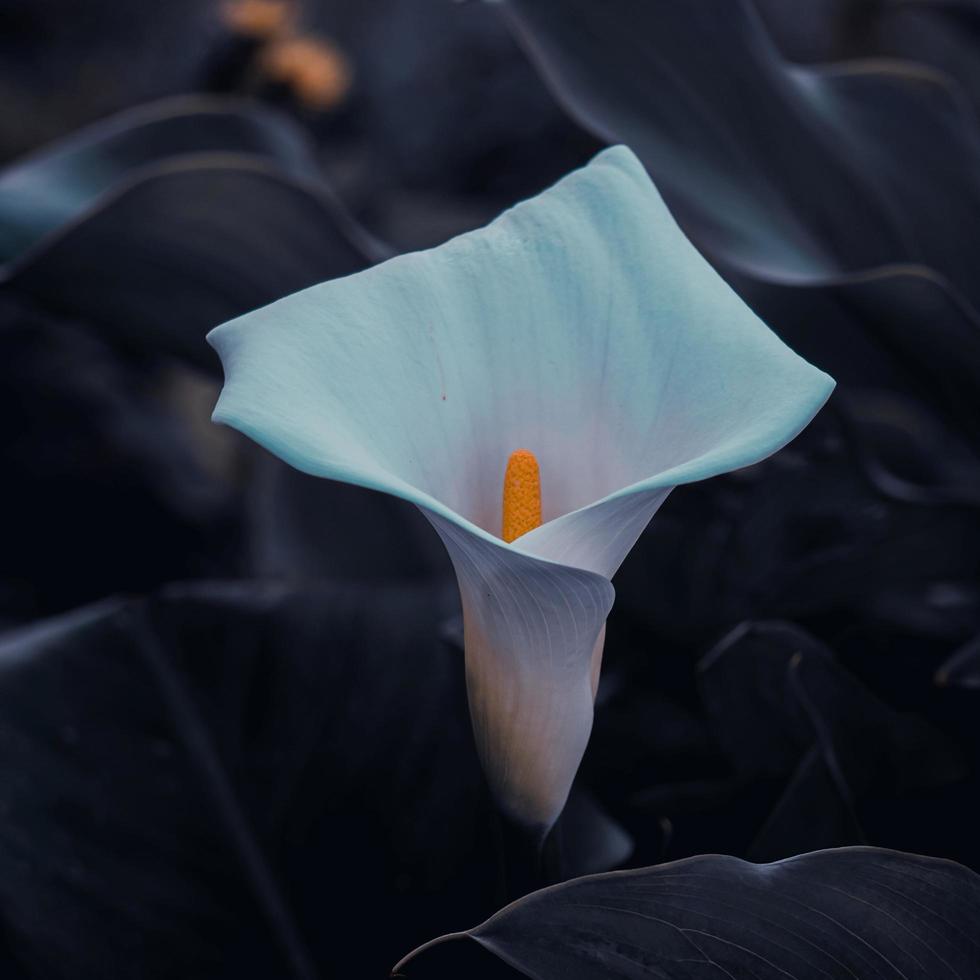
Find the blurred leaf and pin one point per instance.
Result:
(906, 454)
(903, 329)
(832, 197)
(64, 64)
(815, 811)
(832, 171)
(300, 526)
(810, 539)
(494, 135)
(60, 183)
(963, 668)
(774, 693)
(857, 912)
(160, 224)
(103, 489)
(944, 34)
(590, 840)
(869, 520)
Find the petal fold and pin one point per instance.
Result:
(532, 634)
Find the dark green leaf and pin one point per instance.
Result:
(852, 913)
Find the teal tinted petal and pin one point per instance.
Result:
(581, 325)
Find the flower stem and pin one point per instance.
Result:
(528, 861)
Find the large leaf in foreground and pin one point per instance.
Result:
(238, 780)
(858, 913)
(185, 785)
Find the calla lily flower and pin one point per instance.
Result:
(580, 326)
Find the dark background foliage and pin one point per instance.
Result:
(267, 770)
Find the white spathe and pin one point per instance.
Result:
(581, 325)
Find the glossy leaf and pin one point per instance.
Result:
(857, 912)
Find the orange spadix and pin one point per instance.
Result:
(522, 495)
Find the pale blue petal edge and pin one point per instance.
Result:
(581, 324)
(608, 214)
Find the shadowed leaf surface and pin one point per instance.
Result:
(774, 692)
(299, 526)
(103, 489)
(63, 64)
(944, 34)
(781, 704)
(855, 520)
(199, 772)
(856, 912)
(189, 778)
(963, 668)
(508, 137)
(902, 329)
(59, 183)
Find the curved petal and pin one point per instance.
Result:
(532, 638)
(581, 324)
